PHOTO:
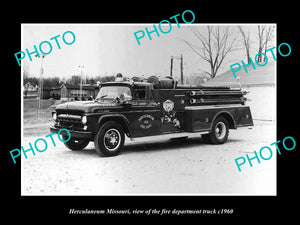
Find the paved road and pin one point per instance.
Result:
(163, 167)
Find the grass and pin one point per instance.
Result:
(37, 122)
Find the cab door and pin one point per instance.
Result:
(145, 114)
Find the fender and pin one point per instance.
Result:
(232, 124)
(116, 117)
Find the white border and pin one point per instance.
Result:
(142, 24)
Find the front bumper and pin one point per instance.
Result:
(77, 134)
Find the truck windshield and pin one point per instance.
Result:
(111, 92)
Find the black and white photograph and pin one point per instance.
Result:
(163, 110)
(176, 108)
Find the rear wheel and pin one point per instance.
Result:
(110, 138)
(219, 133)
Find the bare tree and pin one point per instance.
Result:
(265, 35)
(261, 41)
(213, 47)
(268, 38)
(246, 41)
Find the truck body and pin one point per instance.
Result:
(142, 109)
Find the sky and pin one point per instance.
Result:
(106, 49)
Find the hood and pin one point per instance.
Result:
(86, 106)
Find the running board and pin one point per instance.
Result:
(170, 135)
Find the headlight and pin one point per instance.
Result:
(84, 119)
(54, 116)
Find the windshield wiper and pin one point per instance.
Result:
(103, 96)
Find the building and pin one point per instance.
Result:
(30, 91)
(73, 93)
(65, 92)
(29, 87)
(55, 93)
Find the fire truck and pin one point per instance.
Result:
(141, 108)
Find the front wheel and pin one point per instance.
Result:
(76, 144)
(110, 138)
(219, 132)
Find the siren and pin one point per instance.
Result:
(119, 77)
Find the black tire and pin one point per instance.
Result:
(110, 138)
(219, 133)
(76, 144)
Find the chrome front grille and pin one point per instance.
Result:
(69, 118)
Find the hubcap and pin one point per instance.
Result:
(112, 139)
(220, 130)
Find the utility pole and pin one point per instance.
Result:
(40, 97)
(81, 82)
(181, 66)
(181, 69)
(171, 66)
